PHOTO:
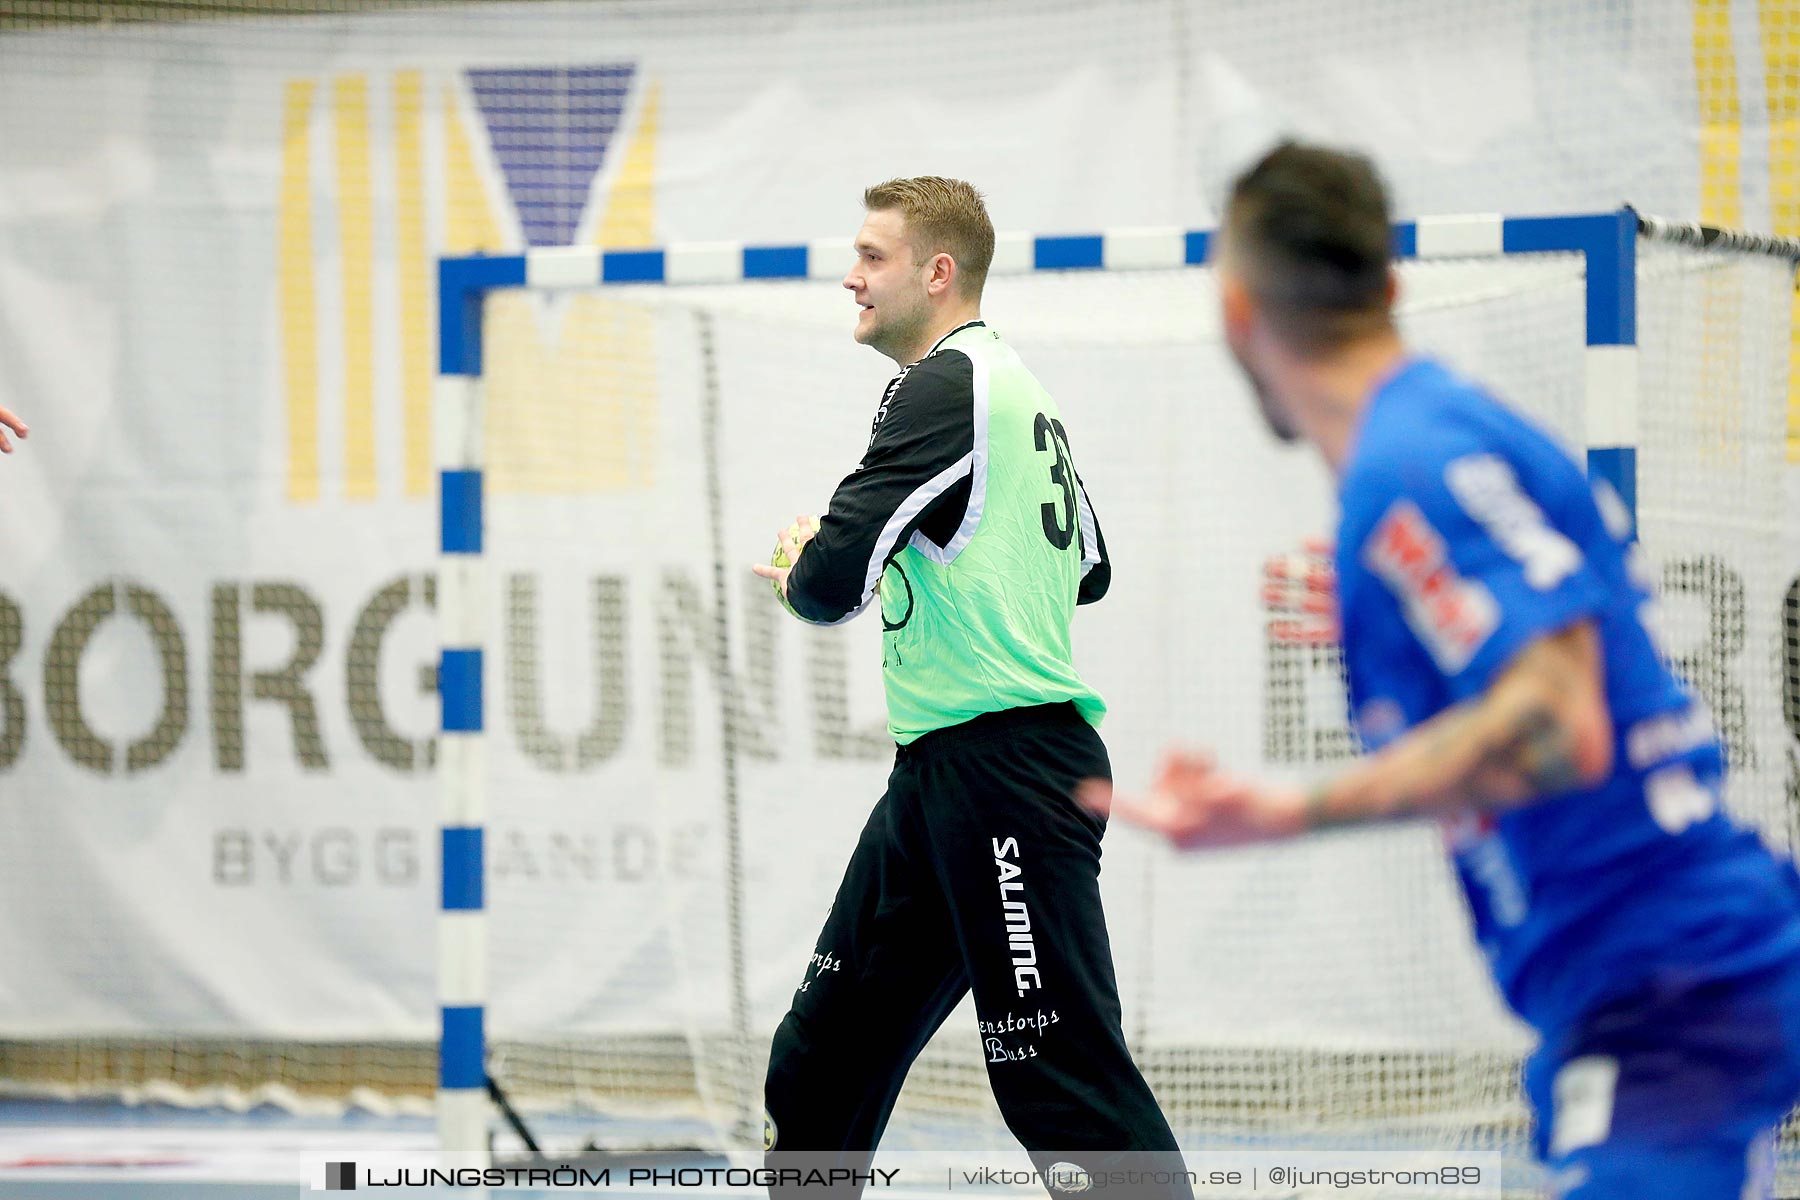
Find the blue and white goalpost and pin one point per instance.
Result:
(778, 797)
(462, 762)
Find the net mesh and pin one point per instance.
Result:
(1326, 990)
(678, 770)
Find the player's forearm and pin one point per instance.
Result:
(812, 608)
(1535, 733)
(818, 590)
(827, 581)
(1476, 756)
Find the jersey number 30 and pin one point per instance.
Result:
(1062, 474)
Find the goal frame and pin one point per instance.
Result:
(1607, 242)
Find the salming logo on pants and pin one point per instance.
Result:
(976, 870)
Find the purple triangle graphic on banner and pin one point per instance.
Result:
(549, 128)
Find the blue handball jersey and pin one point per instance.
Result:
(1467, 534)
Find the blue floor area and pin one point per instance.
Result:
(128, 1189)
(110, 1114)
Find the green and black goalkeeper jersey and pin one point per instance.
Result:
(967, 515)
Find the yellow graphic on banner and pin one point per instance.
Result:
(297, 302)
(631, 208)
(1716, 410)
(356, 262)
(470, 224)
(573, 409)
(1780, 21)
(415, 278)
(1721, 125)
(571, 381)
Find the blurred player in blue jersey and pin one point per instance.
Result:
(1504, 681)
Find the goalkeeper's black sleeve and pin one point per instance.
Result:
(914, 478)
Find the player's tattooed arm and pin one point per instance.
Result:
(1541, 729)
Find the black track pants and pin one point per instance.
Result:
(976, 869)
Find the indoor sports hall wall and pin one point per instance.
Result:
(217, 311)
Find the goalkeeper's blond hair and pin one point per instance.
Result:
(943, 216)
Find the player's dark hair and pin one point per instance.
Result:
(1312, 243)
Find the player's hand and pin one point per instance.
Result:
(1194, 804)
(10, 420)
(791, 542)
(1300, 594)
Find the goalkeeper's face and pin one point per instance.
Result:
(889, 285)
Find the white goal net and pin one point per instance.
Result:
(680, 770)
